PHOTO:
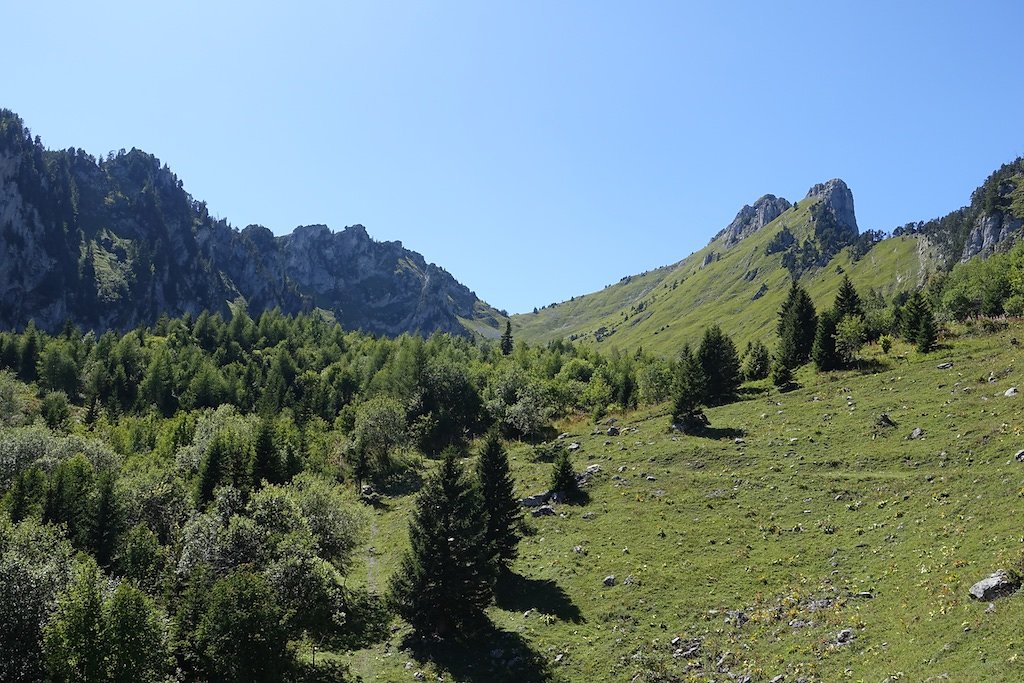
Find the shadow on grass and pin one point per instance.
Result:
(483, 655)
(872, 366)
(367, 621)
(518, 593)
(403, 483)
(719, 433)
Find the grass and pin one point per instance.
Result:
(742, 289)
(758, 550)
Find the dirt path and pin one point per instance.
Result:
(366, 660)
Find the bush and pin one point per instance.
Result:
(885, 341)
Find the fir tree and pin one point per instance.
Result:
(824, 353)
(797, 324)
(720, 364)
(446, 578)
(563, 476)
(848, 302)
(506, 339)
(926, 330)
(267, 464)
(498, 491)
(910, 316)
(688, 389)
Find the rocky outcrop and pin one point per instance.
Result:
(989, 233)
(837, 204)
(114, 243)
(750, 219)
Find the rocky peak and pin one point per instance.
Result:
(836, 202)
(750, 219)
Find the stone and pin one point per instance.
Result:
(613, 431)
(574, 446)
(544, 511)
(989, 230)
(609, 580)
(589, 515)
(1009, 393)
(916, 434)
(844, 636)
(865, 595)
(536, 500)
(1019, 456)
(944, 366)
(885, 421)
(999, 584)
(563, 436)
(419, 676)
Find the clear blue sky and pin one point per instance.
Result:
(537, 150)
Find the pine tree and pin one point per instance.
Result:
(107, 520)
(498, 491)
(926, 331)
(688, 389)
(446, 578)
(720, 364)
(563, 476)
(506, 339)
(796, 327)
(824, 352)
(910, 316)
(848, 302)
(267, 464)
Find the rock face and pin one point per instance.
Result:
(989, 233)
(997, 585)
(837, 203)
(114, 243)
(750, 219)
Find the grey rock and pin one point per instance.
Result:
(544, 511)
(996, 585)
(613, 431)
(837, 201)
(917, 433)
(885, 421)
(844, 636)
(989, 232)
(750, 219)
(1009, 393)
(609, 580)
(1019, 456)
(709, 258)
(944, 366)
(574, 446)
(536, 500)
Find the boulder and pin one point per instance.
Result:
(944, 366)
(574, 446)
(544, 511)
(1019, 456)
(609, 580)
(613, 431)
(885, 421)
(844, 636)
(916, 434)
(536, 500)
(996, 585)
(1012, 391)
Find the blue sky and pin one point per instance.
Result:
(536, 150)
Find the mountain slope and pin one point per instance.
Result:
(116, 242)
(740, 278)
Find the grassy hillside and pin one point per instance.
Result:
(748, 551)
(741, 288)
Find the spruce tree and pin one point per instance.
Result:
(506, 339)
(720, 364)
(910, 316)
(688, 389)
(848, 302)
(267, 463)
(796, 327)
(824, 353)
(446, 578)
(563, 476)
(498, 491)
(926, 331)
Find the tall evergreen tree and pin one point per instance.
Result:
(688, 390)
(500, 504)
(926, 330)
(506, 339)
(267, 464)
(910, 315)
(824, 352)
(446, 578)
(107, 525)
(720, 363)
(848, 302)
(563, 476)
(796, 327)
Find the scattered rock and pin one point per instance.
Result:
(629, 580)
(885, 421)
(651, 477)
(844, 636)
(865, 595)
(916, 434)
(536, 500)
(996, 585)
(563, 435)
(778, 679)
(739, 441)
(574, 446)
(1012, 391)
(613, 431)
(944, 366)
(544, 511)
(578, 549)
(609, 580)
(419, 676)
(589, 515)
(1019, 456)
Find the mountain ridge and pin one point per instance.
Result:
(113, 243)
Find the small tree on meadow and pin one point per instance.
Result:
(563, 476)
